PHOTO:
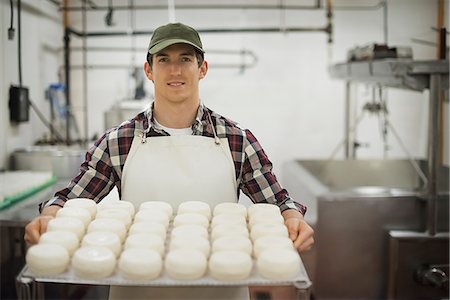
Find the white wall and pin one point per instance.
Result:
(41, 33)
(288, 99)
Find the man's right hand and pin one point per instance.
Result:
(38, 225)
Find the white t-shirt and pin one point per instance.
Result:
(174, 131)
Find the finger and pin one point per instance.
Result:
(32, 232)
(307, 245)
(44, 223)
(293, 229)
(305, 236)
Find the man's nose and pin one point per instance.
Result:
(175, 68)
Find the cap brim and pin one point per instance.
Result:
(164, 44)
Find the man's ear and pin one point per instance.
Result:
(203, 69)
(148, 71)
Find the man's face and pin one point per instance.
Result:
(176, 74)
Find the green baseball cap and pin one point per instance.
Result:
(174, 33)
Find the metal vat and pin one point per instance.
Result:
(63, 161)
(354, 207)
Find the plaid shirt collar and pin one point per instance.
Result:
(197, 128)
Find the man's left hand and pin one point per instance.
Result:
(299, 231)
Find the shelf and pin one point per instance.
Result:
(398, 73)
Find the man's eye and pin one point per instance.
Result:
(162, 59)
(186, 59)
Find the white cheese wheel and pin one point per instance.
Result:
(148, 227)
(105, 239)
(185, 264)
(266, 229)
(189, 229)
(145, 241)
(190, 218)
(93, 262)
(121, 205)
(47, 259)
(190, 242)
(140, 264)
(106, 224)
(230, 208)
(67, 239)
(197, 207)
(262, 207)
(157, 206)
(228, 218)
(265, 217)
(230, 265)
(74, 225)
(148, 215)
(278, 263)
(268, 242)
(75, 212)
(233, 243)
(114, 213)
(85, 203)
(228, 230)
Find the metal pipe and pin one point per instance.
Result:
(202, 6)
(67, 77)
(211, 30)
(347, 120)
(85, 81)
(433, 151)
(329, 27)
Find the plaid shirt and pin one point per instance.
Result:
(102, 169)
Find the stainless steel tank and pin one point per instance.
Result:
(357, 208)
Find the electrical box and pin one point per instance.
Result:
(18, 104)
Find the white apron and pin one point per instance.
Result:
(177, 169)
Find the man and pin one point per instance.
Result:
(178, 150)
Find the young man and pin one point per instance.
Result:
(178, 150)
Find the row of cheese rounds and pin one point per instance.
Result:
(143, 236)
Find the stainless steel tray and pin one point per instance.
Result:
(300, 281)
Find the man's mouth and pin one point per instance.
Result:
(176, 83)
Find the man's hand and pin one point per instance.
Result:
(38, 225)
(299, 231)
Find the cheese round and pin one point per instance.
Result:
(191, 242)
(157, 206)
(230, 265)
(278, 263)
(233, 243)
(228, 230)
(114, 213)
(93, 262)
(145, 241)
(148, 215)
(121, 205)
(228, 218)
(190, 218)
(266, 229)
(185, 264)
(75, 212)
(67, 224)
(85, 203)
(262, 207)
(148, 227)
(269, 242)
(265, 217)
(197, 207)
(230, 208)
(67, 239)
(106, 224)
(191, 230)
(47, 259)
(140, 264)
(105, 239)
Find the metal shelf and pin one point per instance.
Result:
(398, 73)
